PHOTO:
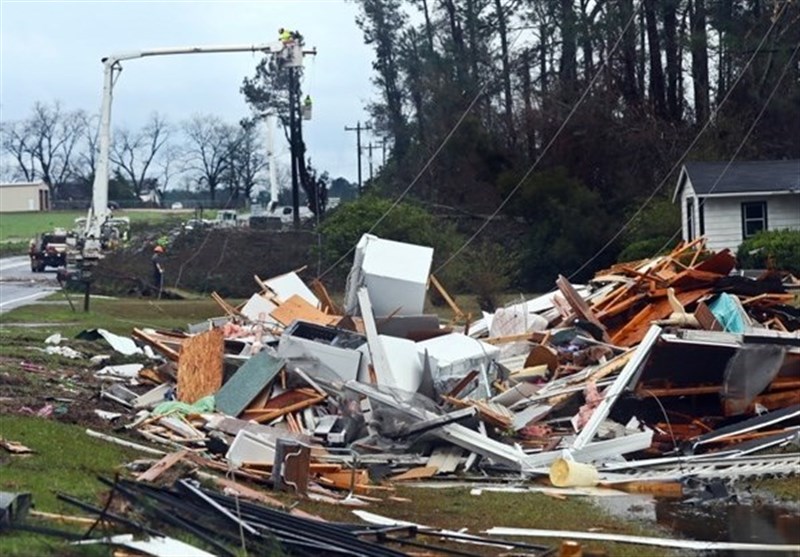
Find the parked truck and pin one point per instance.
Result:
(50, 250)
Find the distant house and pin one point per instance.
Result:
(728, 207)
(16, 197)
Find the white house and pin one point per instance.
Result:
(16, 197)
(728, 206)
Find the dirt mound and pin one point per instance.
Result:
(205, 261)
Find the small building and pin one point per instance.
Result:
(729, 206)
(18, 197)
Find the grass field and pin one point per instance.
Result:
(16, 227)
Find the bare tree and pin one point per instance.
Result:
(246, 158)
(208, 150)
(86, 160)
(135, 152)
(17, 145)
(54, 134)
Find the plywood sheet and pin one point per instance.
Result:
(200, 366)
(296, 308)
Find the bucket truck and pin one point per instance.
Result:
(99, 222)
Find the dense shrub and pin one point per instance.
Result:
(778, 249)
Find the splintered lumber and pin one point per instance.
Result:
(450, 302)
(298, 309)
(152, 473)
(13, 447)
(200, 366)
(263, 416)
(579, 305)
(635, 329)
(328, 305)
(157, 341)
(226, 307)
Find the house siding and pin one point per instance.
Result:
(723, 217)
(20, 198)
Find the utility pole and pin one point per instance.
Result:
(383, 150)
(369, 149)
(358, 130)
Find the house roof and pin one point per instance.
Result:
(741, 177)
(21, 184)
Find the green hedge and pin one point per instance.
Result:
(777, 249)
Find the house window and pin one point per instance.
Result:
(754, 218)
(690, 219)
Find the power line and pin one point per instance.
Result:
(680, 160)
(744, 139)
(549, 144)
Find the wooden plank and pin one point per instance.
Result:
(200, 366)
(706, 318)
(418, 473)
(297, 308)
(579, 305)
(152, 473)
(328, 305)
(263, 416)
(247, 383)
(461, 385)
(450, 302)
(226, 307)
(157, 344)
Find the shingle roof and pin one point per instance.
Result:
(744, 177)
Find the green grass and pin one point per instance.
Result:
(117, 315)
(24, 226)
(66, 460)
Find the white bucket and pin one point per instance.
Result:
(568, 473)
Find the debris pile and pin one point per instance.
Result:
(656, 371)
(670, 357)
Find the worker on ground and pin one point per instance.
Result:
(158, 269)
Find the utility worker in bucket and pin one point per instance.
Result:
(285, 36)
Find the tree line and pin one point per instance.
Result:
(60, 147)
(483, 88)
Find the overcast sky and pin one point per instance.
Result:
(51, 50)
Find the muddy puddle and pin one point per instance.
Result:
(745, 517)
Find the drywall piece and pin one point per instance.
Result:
(246, 384)
(157, 546)
(455, 355)
(395, 273)
(154, 396)
(516, 319)
(611, 394)
(200, 366)
(258, 308)
(642, 540)
(250, 447)
(333, 348)
(124, 371)
(290, 284)
(123, 345)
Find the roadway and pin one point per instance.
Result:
(20, 286)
